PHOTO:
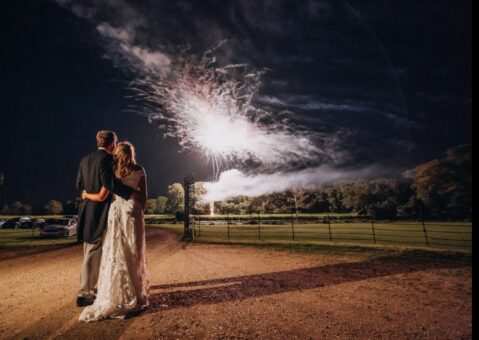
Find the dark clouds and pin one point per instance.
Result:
(384, 82)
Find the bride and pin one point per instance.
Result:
(122, 283)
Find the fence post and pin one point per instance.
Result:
(259, 226)
(187, 232)
(228, 223)
(329, 228)
(292, 223)
(424, 229)
(194, 226)
(372, 226)
(33, 230)
(199, 225)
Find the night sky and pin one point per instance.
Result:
(389, 82)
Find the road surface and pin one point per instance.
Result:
(243, 292)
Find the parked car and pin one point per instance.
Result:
(40, 223)
(25, 222)
(62, 227)
(11, 223)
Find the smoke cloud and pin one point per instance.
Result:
(234, 183)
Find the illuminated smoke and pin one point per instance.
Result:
(234, 183)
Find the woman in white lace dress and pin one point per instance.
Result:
(123, 282)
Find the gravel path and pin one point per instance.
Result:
(243, 292)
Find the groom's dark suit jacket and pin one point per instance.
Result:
(95, 171)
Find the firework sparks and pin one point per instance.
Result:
(210, 110)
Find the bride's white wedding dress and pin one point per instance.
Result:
(123, 281)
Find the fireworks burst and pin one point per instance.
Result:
(219, 110)
(210, 109)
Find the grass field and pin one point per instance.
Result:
(307, 228)
(12, 238)
(275, 216)
(22, 242)
(7, 217)
(439, 234)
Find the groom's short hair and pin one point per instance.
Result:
(104, 138)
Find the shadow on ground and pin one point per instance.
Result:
(13, 252)
(244, 287)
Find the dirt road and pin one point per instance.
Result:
(244, 292)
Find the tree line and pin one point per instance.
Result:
(53, 207)
(440, 188)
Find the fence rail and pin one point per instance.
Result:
(263, 227)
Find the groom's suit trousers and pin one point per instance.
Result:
(90, 267)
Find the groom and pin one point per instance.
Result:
(95, 171)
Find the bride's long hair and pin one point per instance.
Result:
(125, 159)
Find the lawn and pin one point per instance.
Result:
(25, 237)
(19, 242)
(276, 216)
(306, 228)
(448, 235)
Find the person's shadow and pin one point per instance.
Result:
(243, 287)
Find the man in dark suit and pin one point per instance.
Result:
(95, 171)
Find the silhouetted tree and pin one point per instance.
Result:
(175, 200)
(198, 206)
(445, 185)
(17, 208)
(54, 207)
(6, 210)
(297, 199)
(335, 200)
(151, 206)
(161, 204)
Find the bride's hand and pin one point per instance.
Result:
(83, 194)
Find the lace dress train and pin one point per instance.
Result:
(123, 281)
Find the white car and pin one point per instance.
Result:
(40, 223)
(63, 227)
(25, 222)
